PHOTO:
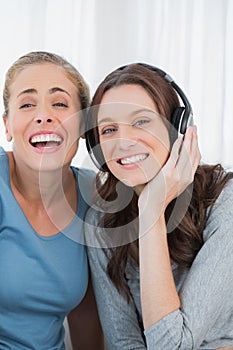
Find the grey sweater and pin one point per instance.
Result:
(205, 318)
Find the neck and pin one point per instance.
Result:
(39, 186)
(138, 189)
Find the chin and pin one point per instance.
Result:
(137, 186)
(135, 177)
(138, 182)
(134, 183)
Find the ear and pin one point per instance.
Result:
(82, 123)
(7, 132)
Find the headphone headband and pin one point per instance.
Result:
(188, 112)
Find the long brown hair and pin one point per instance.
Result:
(186, 239)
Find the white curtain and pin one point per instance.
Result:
(190, 39)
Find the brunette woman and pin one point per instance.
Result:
(160, 235)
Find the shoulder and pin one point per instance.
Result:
(2, 151)
(222, 209)
(86, 183)
(220, 214)
(84, 175)
(95, 235)
(96, 242)
(4, 180)
(100, 234)
(3, 154)
(5, 160)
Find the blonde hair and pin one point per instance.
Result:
(40, 57)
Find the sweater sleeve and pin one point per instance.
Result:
(118, 316)
(206, 312)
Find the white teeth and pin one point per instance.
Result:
(46, 138)
(133, 159)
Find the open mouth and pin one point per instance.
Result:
(132, 160)
(46, 140)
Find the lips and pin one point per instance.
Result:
(45, 140)
(133, 159)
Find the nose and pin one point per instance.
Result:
(43, 119)
(126, 139)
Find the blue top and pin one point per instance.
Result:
(42, 278)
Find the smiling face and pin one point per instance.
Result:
(134, 138)
(43, 117)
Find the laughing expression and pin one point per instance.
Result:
(134, 138)
(43, 117)
(46, 142)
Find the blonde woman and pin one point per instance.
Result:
(43, 265)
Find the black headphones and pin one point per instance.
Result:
(181, 118)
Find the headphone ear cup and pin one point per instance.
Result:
(176, 117)
(175, 123)
(95, 151)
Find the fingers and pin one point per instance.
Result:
(176, 148)
(189, 156)
(178, 172)
(191, 143)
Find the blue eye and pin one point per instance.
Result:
(108, 131)
(141, 122)
(26, 105)
(60, 104)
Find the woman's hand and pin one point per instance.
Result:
(174, 177)
(159, 296)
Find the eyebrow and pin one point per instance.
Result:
(55, 89)
(27, 91)
(142, 110)
(51, 91)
